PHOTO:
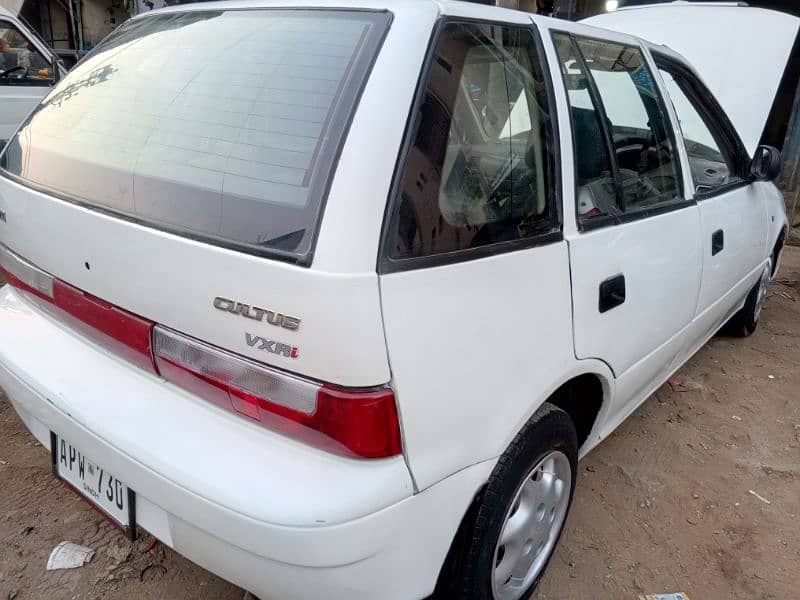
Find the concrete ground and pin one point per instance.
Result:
(697, 492)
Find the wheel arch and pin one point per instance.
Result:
(595, 383)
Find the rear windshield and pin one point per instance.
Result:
(218, 125)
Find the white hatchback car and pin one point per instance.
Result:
(330, 296)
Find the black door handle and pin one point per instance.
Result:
(717, 241)
(612, 293)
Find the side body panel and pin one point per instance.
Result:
(741, 216)
(475, 348)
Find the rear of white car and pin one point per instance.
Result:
(166, 322)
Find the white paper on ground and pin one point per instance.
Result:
(69, 556)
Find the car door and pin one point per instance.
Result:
(474, 273)
(26, 76)
(635, 254)
(733, 211)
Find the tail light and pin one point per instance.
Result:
(22, 274)
(361, 423)
(351, 422)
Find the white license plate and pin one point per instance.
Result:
(95, 483)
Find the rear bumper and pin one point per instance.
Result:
(268, 513)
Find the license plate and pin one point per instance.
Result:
(101, 488)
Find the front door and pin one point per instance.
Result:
(26, 76)
(636, 256)
(732, 211)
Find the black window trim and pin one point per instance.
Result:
(599, 222)
(715, 119)
(554, 224)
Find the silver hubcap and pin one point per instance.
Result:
(531, 526)
(762, 290)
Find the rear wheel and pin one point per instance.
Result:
(519, 519)
(744, 322)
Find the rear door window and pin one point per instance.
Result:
(220, 125)
(479, 170)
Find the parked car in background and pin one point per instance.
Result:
(333, 304)
(28, 71)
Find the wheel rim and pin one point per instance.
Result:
(531, 526)
(763, 284)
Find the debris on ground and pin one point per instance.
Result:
(69, 556)
(155, 569)
(678, 596)
(760, 497)
(684, 385)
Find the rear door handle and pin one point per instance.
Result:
(717, 242)
(612, 293)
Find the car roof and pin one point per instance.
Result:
(443, 7)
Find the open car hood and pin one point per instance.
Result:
(740, 52)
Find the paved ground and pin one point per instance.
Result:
(663, 505)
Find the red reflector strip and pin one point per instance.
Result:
(124, 333)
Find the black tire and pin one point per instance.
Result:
(467, 573)
(745, 322)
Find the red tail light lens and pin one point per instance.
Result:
(123, 333)
(358, 423)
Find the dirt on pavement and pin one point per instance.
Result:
(698, 491)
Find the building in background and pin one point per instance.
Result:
(73, 27)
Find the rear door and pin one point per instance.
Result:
(635, 257)
(474, 270)
(26, 76)
(733, 211)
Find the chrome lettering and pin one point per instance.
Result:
(256, 313)
(271, 346)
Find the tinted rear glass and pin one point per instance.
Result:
(220, 125)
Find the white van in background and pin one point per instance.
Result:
(28, 71)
